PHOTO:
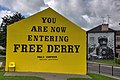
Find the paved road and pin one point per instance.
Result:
(105, 69)
(2, 56)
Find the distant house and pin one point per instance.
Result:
(101, 42)
(118, 43)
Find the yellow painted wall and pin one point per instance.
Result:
(72, 62)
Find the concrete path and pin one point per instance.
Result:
(46, 76)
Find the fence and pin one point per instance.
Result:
(104, 69)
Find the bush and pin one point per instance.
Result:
(2, 52)
(117, 60)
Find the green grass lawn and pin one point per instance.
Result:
(94, 77)
(2, 58)
(109, 62)
(18, 77)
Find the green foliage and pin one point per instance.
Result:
(94, 77)
(108, 62)
(1, 51)
(117, 60)
(2, 68)
(2, 59)
(7, 20)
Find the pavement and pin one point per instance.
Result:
(47, 76)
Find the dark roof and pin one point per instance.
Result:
(99, 29)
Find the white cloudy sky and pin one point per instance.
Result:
(85, 13)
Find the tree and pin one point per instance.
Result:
(7, 20)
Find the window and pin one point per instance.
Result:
(117, 46)
(118, 39)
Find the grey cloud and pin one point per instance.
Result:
(73, 10)
(94, 9)
(23, 6)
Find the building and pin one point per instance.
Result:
(101, 42)
(46, 42)
(118, 43)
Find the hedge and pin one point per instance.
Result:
(117, 60)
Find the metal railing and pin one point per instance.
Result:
(104, 69)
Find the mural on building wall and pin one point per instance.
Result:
(101, 45)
